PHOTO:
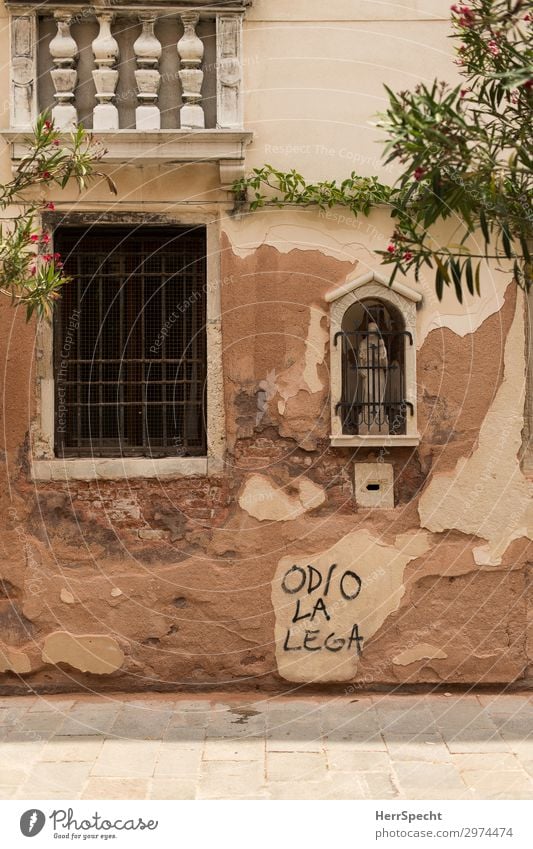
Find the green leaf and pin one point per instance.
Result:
(456, 278)
(484, 225)
(439, 283)
(477, 282)
(469, 276)
(506, 242)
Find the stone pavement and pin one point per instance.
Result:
(220, 747)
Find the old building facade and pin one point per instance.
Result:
(238, 458)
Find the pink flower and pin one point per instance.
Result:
(56, 142)
(45, 238)
(419, 173)
(50, 206)
(34, 238)
(408, 256)
(46, 175)
(466, 15)
(391, 249)
(47, 257)
(33, 269)
(527, 85)
(48, 125)
(57, 257)
(493, 48)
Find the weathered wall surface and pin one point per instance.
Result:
(270, 573)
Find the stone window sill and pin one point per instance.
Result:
(227, 147)
(374, 441)
(119, 468)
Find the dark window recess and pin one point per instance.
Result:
(373, 343)
(130, 343)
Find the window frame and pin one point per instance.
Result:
(405, 300)
(45, 465)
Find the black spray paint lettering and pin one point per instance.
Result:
(308, 580)
(296, 578)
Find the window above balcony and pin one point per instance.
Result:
(156, 82)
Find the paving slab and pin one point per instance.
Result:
(115, 788)
(382, 746)
(126, 759)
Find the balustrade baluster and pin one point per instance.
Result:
(147, 50)
(64, 52)
(191, 53)
(106, 55)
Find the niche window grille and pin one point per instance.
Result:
(373, 363)
(373, 342)
(130, 343)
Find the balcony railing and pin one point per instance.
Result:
(144, 76)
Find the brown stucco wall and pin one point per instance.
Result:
(178, 583)
(147, 584)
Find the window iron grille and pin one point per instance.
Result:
(130, 348)
(373, 382)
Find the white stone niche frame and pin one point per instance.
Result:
(45, 466)
(405, 299)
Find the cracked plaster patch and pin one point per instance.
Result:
(265, 502)
(422, 652)
(12, 660)
(96, 653)
(66, 596)
(303, 374)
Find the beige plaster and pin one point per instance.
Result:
(422, 652)
(96, 653)
(266, 502)
(12, 660)
(66, 596)
(315, 349)
(487, 494)
(380, 568)
(345, 10)
(323, 123)
(303, 373)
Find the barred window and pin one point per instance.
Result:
(130, 348)
(373, 339)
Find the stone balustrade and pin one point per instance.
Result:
(138, 70)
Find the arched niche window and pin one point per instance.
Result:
(373, 363)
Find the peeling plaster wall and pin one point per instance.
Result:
(487, 494)
(178, 583)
